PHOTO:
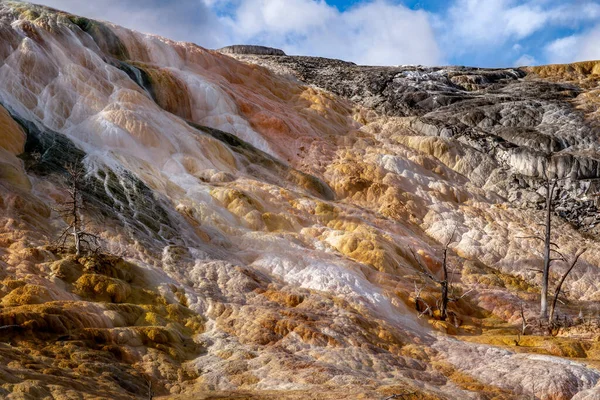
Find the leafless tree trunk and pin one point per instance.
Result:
(149, 387)
(444, 282)
(419, 301)
(75, 176)
(71, 211)
(572, 265)
(524, 323)
(547, 239)
(550, 187)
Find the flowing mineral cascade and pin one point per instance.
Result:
(258, 215)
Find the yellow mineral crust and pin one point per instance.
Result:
(12, 143)
(13, 137)
(580, 71)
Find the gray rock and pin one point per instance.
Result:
(250, 49)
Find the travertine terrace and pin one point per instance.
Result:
(258, 211)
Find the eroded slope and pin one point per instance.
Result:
(260, 229)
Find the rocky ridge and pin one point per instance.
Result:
(249, 49)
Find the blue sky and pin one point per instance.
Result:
(483, 33)
(429, 5)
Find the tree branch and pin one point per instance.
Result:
(424, 270)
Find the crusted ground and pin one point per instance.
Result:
(258, 227)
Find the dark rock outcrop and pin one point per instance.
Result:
(251, 49)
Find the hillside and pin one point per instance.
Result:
(263, 219)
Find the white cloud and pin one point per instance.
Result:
(581, 47)
(472, 24)
(475, 23)
(376, 32)
(185, 20)
(525, 60)
(373, 32)
(563, 50)
(590, 45)
(280, 17)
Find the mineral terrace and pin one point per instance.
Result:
(258, 215)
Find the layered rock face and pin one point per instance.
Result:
(258, 226)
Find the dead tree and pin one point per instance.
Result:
(571, 265)
(71, 211)
(553, 248)
(524, 324)
(549, 247)
(547, 239)
(550, 187)
(426, 309)
(444, 282)
(150, 392)
(418, 298)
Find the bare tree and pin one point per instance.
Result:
(550, 187)
(524, 324)
(552, 247)
(421, 305)
(445, 283)
(549, 247)
(571, 265)
(149, 388)
(71, 210)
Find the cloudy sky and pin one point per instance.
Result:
(378, 32)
